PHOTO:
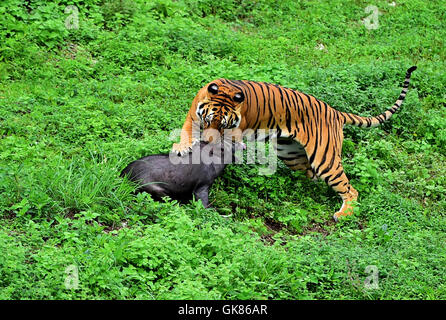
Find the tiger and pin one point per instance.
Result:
(309, 131)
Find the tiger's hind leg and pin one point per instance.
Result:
(325, 161)
(337, 179)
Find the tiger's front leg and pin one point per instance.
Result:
(183, 148)
(190, 135)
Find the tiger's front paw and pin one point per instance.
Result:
(182, 149)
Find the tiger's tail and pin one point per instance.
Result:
(368, 122)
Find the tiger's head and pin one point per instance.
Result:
(219, 106)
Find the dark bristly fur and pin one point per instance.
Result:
(157, 175)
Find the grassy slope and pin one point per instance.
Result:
(76, 106)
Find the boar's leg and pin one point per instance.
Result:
(202, 193)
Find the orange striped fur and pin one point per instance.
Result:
(310, 132)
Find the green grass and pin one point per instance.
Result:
(76, 105)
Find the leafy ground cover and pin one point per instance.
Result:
(87, 86)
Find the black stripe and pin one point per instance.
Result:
(310, 120)
(360, 121)
(324, 157)
(274, 107)
(284, 141)
(253, 91)
(335, 184)
(271, 117)
(279, 131)
(285, 158)
(294, 100)
(313, 155)
(263, 94)
(351, 118)
(295, 152)
(321, 125)
(288, 119)
(257, 123)
(301, 115)
(288, 98)
(337, 176)
(235, 85)
(330, 165)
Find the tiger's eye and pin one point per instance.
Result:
(213, 88)
(239, 97)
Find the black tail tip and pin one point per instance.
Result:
(411, 69)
